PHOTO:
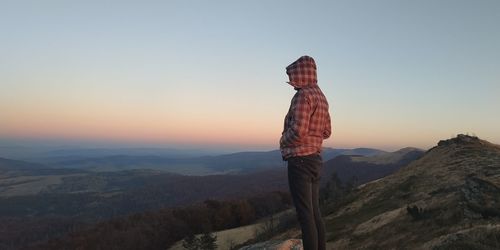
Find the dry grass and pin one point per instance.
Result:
(227, 239)
(377, 216)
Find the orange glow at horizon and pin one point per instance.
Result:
(145, 126)
(157, 130)
(130, 122)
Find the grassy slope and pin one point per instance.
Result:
(437, 184)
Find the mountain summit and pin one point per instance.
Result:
(447, 199)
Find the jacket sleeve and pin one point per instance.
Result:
(298, 125)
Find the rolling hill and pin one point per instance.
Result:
(40, 207)
(362, 169)
(447, 199)
(14, 165)
(235, 163)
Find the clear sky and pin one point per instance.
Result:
(396, 73)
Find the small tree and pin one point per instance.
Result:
(333, 191)
(208, 241)
(191, 242)
(415, 212)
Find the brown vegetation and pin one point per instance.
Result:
(160, 229)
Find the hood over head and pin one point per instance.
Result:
(302, 73)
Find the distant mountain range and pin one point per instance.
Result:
(36, 153)
(235, 163)
(266, 170)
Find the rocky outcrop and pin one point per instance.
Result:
(460, 139)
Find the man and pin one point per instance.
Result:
(307, 124)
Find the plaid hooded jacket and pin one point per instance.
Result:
(308, 122)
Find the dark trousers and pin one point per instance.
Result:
(303, 179)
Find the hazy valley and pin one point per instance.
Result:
(63, 192)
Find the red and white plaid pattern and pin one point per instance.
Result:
(308, 122)
(302, 72)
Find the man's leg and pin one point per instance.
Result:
(320, 226)
(300, 182)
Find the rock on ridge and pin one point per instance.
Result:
(461, 139)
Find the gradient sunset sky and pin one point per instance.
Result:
(212, 73)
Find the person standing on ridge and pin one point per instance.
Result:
(307, 124)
